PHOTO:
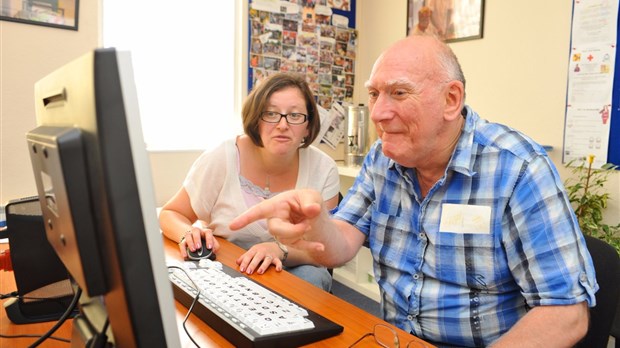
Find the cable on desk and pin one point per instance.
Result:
(9, 295)
(36, 336)
(62, 319)
(189, 311)
(15, 294)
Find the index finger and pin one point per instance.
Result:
(262, 210)
(293, 207)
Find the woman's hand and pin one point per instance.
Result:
(260, 257)
(193, 240)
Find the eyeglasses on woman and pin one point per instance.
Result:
(291, 118)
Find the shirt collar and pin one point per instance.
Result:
(462, 160)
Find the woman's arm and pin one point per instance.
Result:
(176, 220)
(332, 203)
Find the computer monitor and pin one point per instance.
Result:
(96, 194)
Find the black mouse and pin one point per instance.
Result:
(201, 253)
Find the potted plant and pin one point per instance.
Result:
(586, 193)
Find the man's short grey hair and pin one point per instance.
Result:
(449, 63)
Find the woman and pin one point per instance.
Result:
(280, 121)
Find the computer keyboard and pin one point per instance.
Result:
(243, 311)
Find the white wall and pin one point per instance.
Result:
(27, 53)
(515, 75)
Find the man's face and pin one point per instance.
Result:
(406, 104)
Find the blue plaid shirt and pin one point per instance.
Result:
(468, 289)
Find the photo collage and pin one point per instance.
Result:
(306, 37)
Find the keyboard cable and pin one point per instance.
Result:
(189, 311)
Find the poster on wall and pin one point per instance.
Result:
(591, 72)
(315, 38)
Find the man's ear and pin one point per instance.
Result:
(454, 100)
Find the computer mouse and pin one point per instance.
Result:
(201, 253)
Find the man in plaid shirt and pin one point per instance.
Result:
(473, 238)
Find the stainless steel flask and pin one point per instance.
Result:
(356, 135)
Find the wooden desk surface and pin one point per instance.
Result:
(355, 321)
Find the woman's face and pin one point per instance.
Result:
(282, 137)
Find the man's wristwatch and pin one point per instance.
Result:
(284, 250)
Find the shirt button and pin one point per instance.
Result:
(410, 317)
(423, 235)
(416, 276)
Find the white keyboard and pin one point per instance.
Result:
(232, 303)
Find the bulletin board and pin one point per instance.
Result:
(316, 38)
(592, 122)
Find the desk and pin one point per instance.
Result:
(355, 321)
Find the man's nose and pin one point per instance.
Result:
(380, 109)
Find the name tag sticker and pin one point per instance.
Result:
(463, 218)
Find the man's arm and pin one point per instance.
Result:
(342, 241)
(548, 326)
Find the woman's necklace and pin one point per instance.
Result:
(267, 190)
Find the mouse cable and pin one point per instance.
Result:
(62, 319)
(189, 311)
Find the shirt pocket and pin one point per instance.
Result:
(389, 237)
(467, 259)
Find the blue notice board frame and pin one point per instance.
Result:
(613, 152)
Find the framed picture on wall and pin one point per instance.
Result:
(51, 13)
(450, 20)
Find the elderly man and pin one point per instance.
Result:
(473, 238)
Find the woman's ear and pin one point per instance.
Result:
(454, 100)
